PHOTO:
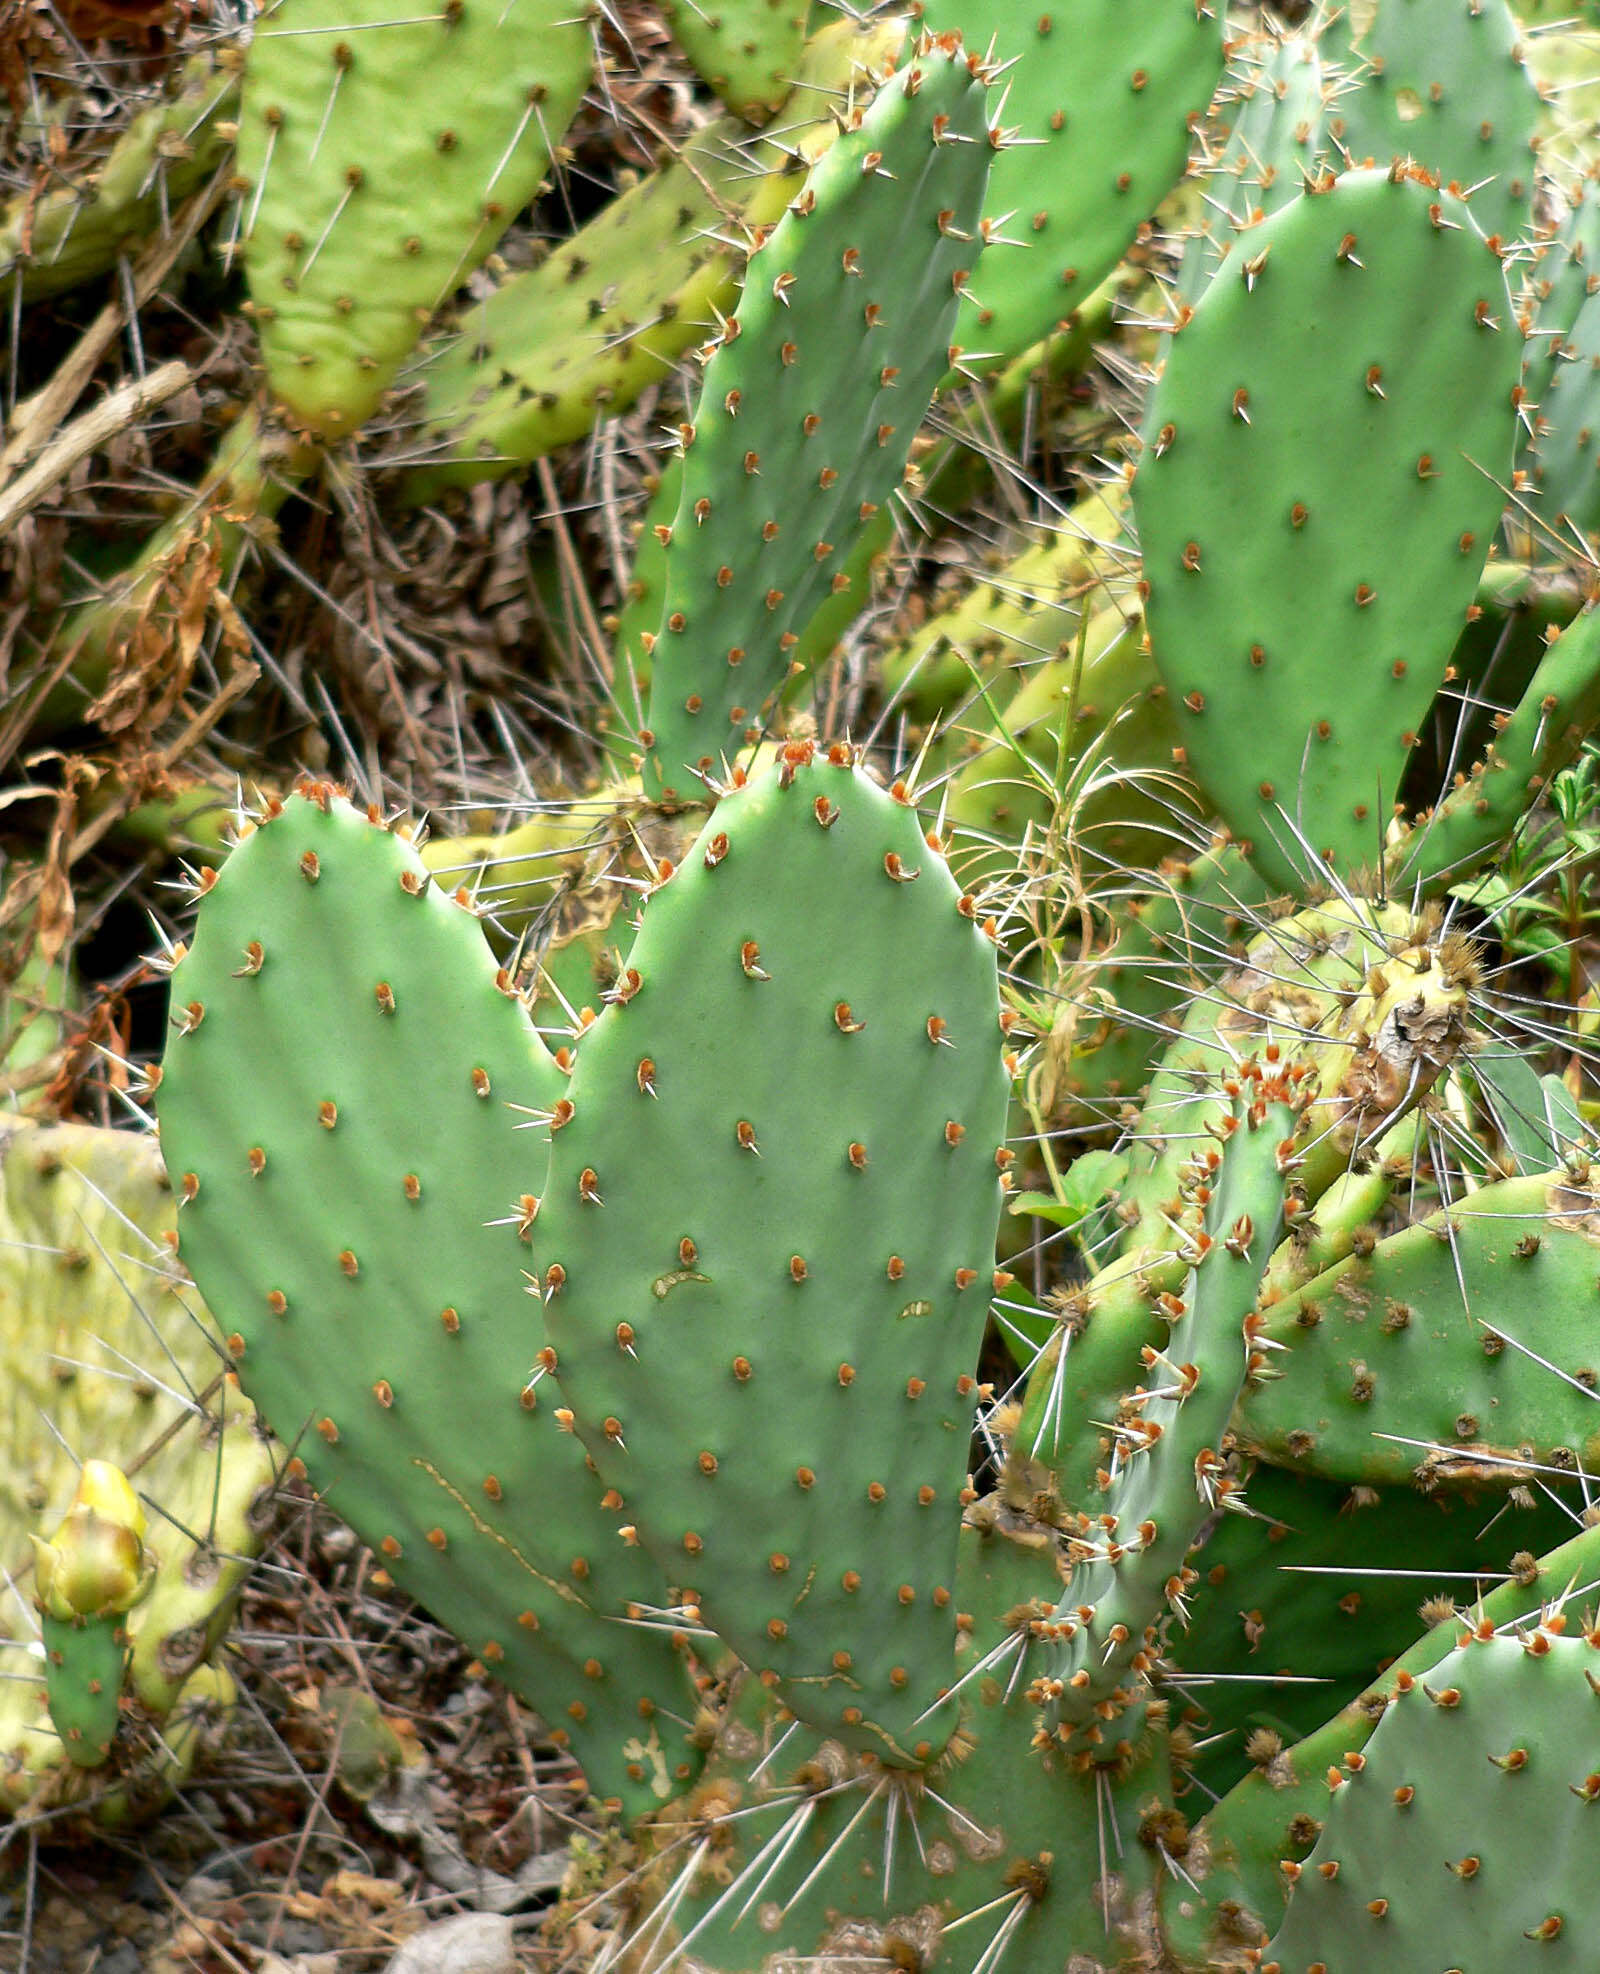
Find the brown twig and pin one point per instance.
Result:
(87, 433)
(41, 415)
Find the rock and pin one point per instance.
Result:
(473, 1943)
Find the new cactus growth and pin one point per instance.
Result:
(87, 1577)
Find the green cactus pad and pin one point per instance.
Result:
(84, 1660)
(1459, 1349)
(1273, 107)
(386, 152)
(1062, 1441)
(341, 1111)
(1235, 1892)
(1331, 434)
(768, 1237)
(1463, 1835)
(1102, 97)
(811, 399)
(1442, 81)
(745, 49)
(1560, 457)
(556, 348)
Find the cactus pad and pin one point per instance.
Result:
(1461, 1347)
(1442, 81)
(811, 399)
(340, 1109)
(999, 1856)
(745, 49)
(1462, 1836)
(1274, 110)
(370, 201)
(1102, 97)
(768, 1240)
(1313, 525)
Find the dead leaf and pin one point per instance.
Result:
(155, 659)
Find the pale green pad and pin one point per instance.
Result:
(386, 152)
(745, 49)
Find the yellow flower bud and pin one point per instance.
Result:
(95, 1563)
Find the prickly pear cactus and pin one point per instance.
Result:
(1399, 1364)
(1275, 108)
(537, 361)
(794, 1847)
(77, 230)
(1559, 451)
(85, 1215)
